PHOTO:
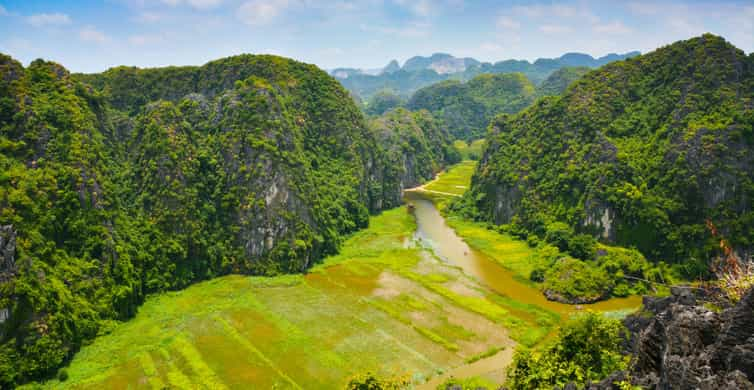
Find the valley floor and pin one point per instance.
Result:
(389, 303)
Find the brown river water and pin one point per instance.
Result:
(434, 232)
(432, 229)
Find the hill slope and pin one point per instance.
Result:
(642, 152)
(467, 108)
(133, 181)
(559, 80)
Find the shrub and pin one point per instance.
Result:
(573, 280)
(558, 234)
(736, 278)
(582, 246)
(370, 381)
(537, 275)
(472, 383)
(549, 253)
(587, 349)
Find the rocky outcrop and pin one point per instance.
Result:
(679, 344)
(555, 296)
(7, 252)
(7, 265)
(413, 147)
(157, 178)
(581, 158)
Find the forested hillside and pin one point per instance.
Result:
(467, 108)
(119, 184)
(654, 152)
(383, 102)
(415, 146)
(559, 80)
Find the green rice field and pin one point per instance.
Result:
(386, 304)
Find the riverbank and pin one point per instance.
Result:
(385, 304)
(406, 296)
(497, 260)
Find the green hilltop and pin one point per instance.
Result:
(653, 152)
(133, 181)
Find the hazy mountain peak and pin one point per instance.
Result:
(442, 63)
(391, 67)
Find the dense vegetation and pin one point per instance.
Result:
(653, 152)
(587, 349)
(467, 108)
(419, 72)
(471, 150)
(412, 148)
(559, 80)
(119, 184)
(383, 102)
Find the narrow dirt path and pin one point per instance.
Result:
(423, 187)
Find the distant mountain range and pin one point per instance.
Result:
(418, 72)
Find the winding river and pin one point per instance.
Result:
(432, 229)
(435, 232)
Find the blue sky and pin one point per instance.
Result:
(90, 36)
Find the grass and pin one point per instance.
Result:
(385, 305)
(471, 151)
(301, 331)
(490, 352)
(454, 181)
(513, 254)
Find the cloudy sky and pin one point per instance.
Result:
(92, 35)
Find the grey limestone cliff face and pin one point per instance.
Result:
(7, 252)
(677, 343)
(7, 264)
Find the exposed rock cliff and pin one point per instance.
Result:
(679, 344)
(141, 180)
(642, 152)
(7, 252)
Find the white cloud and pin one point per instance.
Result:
(554, 29)
(90, 34)
(202, 4)
(616, 27)
(53, 19)
(508, 23)
(198, 4)
(3, 11)
(539, 10)
(261, 12)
